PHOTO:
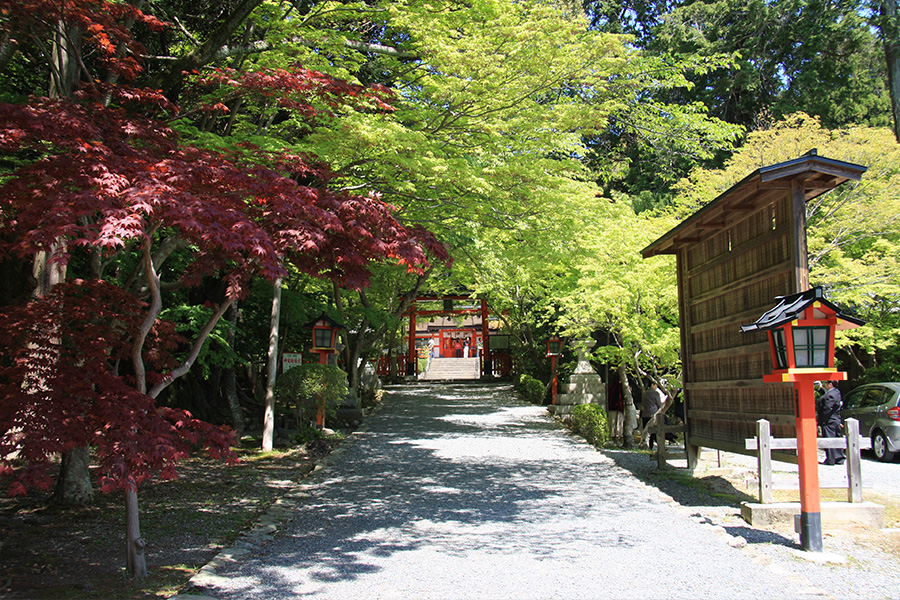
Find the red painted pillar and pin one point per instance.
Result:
(488, 369)
(411, 356)
(808, 463)
(320, 412)
(553, 380)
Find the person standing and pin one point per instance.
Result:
(651, 402)
(615, 411)
(829, 418)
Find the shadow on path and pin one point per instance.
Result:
(465, 492)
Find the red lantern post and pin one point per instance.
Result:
(554, 347)
(324, 336)
(801, 330)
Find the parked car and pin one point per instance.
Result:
(875, 406)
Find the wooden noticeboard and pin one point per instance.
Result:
(734, 257)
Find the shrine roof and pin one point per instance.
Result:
(793, 306)
(816, 174)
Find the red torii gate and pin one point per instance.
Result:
(413, 312)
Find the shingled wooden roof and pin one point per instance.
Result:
(817, 175)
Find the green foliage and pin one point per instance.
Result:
(309, 386)
(618, 292)
(885, 372)
(216, 351)
(853, 237)
(789, 55)
(589, 421)
(530, 389)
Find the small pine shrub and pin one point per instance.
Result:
(306, 386)
(589, 421)
(530, 389)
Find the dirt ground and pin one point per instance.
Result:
(49, 552)
(52, 552)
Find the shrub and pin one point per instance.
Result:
(589, 421)
(307, 386)
(530, 389)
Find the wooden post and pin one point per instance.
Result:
(660, 440)
(411, 358)
(854, 481)
(801, 255)
(808, 463)
(764, 460)
(553, 378)
(488, 370)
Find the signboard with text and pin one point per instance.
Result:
(289, 360)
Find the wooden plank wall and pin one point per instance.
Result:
(729, 280)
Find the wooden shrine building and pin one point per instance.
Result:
(734, 256)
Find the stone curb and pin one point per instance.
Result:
(267, 526)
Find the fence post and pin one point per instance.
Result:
(660, 441)
(764, 460)
(854, 472)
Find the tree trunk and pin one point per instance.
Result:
(64, 67)
(73, 486)
(268, 436)
(630, 411)
(135, 560)
(890, 33)
(229, 378)
(8, 47)
(170, 80)
(353, 347)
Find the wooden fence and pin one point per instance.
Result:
(764, 443)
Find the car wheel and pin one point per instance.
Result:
(880, 447)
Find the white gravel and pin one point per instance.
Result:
(464, 492)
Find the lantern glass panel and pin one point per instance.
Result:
(780, 349)
(553, 347)
(322, 337)
(811, 346)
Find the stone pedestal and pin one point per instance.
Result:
(584, 386)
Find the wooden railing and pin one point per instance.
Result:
(764, 443)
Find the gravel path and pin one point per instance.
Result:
(463, 492)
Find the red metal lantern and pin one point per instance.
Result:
(324, 335)
(554, 346)
(801, 330)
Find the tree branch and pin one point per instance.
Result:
(182, 370)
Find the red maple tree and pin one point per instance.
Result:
(83, 365)
(116, 183)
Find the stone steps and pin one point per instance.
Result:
(452, 369)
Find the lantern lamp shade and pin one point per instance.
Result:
(324, 330)
(801, 331)
(554, 346)
(323, 337)
(811, 346)
(780, 346)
